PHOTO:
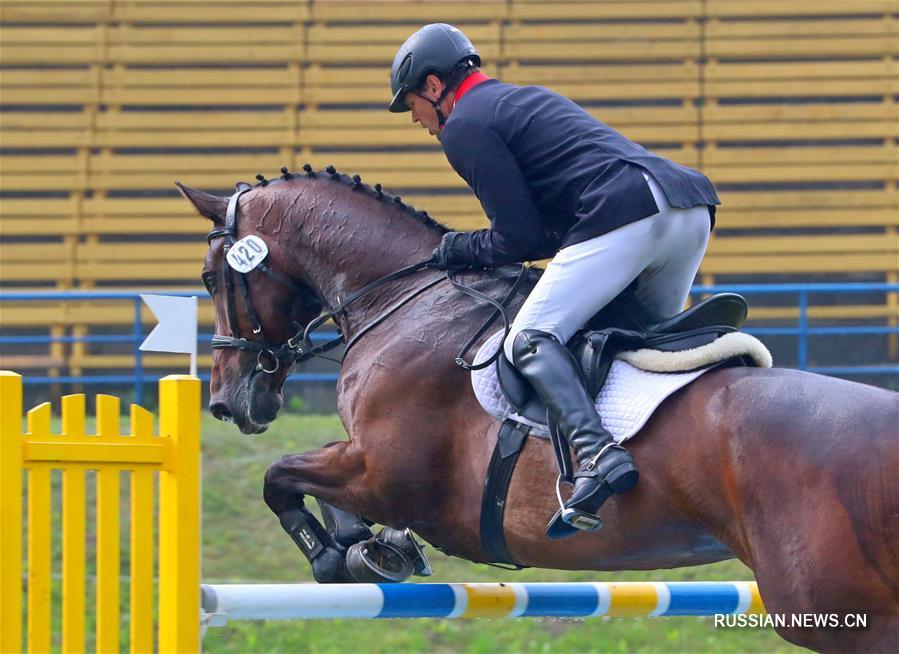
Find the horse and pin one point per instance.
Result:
(793, 473)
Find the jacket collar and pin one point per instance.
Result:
(467, 84)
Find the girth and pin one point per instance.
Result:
(509, 441)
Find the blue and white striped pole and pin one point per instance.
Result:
(225, 602)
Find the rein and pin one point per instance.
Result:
(305, 344)
(299, 348)
(500, 312)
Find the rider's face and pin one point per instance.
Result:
(423, 111)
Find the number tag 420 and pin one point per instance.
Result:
(247, 253)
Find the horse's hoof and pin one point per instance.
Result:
(377, 562)
(405, 541)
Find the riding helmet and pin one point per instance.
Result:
(436, 48)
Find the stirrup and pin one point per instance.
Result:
(581, 520)
(576, 518)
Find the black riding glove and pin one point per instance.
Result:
(447, 255)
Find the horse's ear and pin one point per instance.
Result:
(211, 206)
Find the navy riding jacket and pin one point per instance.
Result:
(549, 175)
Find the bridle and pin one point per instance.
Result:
(298, 348)
(268, 358)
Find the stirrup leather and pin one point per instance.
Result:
(589, 469)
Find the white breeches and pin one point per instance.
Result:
(662, 252)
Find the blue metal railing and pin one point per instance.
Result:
(802, 331)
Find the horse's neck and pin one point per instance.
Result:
(433, 305)
(340, 251)
(344, 240)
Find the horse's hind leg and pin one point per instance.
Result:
(840, 609)
(819, 565)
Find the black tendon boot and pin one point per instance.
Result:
(344, 527)
(326, 558)
(604, 466)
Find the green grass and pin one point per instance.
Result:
(242, 541)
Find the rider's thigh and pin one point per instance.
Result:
(582, 278)
(665, 283)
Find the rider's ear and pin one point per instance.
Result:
(211, 206)
(434, 85)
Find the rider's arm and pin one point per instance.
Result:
(482, 159)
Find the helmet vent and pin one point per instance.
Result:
(404, 68)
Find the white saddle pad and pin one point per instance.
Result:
(626, 402)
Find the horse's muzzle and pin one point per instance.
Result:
(264, 399)
(264, 408)
(220, 411)
(248, 423)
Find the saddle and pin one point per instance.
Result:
(624, 324)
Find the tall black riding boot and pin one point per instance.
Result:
(604, 466)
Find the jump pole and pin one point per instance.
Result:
(224, 602)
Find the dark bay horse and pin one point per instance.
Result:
(795, 474)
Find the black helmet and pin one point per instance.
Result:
(436, 48)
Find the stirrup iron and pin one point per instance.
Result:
(576, 518)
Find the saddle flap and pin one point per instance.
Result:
(515, 387)
(594, 359)
(519, 392)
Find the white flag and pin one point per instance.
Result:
(177, 328)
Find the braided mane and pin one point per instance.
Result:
(355, 183)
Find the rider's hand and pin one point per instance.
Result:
(446, 255)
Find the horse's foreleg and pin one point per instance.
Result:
(324, 474)
(328, 473)
(345, 527)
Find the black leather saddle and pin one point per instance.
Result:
(624, 324)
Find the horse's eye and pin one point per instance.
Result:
(209, 280)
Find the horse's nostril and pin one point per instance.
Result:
(220, 411)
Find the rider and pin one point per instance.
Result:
(556, 182)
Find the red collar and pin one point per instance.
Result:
(469, 83)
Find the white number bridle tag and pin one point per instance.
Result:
(247, 253)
